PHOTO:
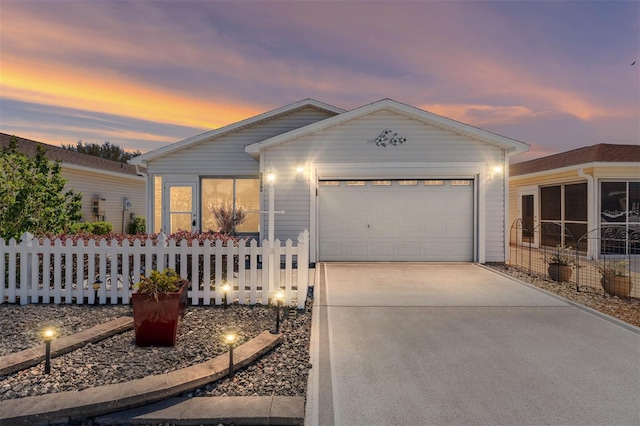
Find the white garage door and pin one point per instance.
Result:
(395, 220)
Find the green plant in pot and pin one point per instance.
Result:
(560, 261)
(158, 306)
(615, 280)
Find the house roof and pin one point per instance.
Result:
(589, 154)
(512, 146)
(68, 157)
(165, 150)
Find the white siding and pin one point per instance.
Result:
(225, 155)
(113, 189)
(347, 143)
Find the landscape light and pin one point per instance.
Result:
(47, 335)
(230, 338)
(225, 289)
(96, 286)
(279, 296)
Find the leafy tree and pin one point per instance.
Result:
(32, 195)
(107, 150)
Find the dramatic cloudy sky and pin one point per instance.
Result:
(556, 75)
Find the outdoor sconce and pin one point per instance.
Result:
(230, 338)
(496, 171)
(225, 289)
(300, 173)
(271, 175)
(96, 287)
(47, 335)
(279, 296)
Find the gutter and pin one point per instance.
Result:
(139, 173)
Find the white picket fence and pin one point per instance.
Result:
(65, 272)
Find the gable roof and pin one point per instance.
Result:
(590, 154)
(511, 145)
(68, 157)
(165, 150)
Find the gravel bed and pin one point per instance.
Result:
(627, 310)
(283, 371)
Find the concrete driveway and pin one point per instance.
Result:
(458, 344)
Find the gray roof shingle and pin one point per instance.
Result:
(595, 153)
(66, 156)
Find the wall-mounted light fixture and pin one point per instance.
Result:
(300, 172)
(496, 171)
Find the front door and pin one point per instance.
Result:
(180, 208)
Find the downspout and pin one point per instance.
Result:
(592, 251)
(506, 199)
(149, 196)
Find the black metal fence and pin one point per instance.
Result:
(605, 259)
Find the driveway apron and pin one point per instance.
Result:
(459, 344)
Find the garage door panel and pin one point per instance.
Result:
(411, 222)
(356, 251)
(409, 250)
(381, 249)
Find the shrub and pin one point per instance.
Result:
(102, 228)
(137, 226)
(81, 227)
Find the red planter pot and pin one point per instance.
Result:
(156, 322)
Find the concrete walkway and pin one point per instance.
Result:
(458, 344)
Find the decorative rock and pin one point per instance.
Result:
(117, 359)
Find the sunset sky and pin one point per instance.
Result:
(556, 75)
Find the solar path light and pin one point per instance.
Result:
(96, 286)
(279, 296)
(225, 289)
(230, 339)
(47, 335)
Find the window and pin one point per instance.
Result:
(460, 182)
(433, 182)
(408, 182)
(329, 183)
(563, 214)
(381, 183)
(355, 183)
(231, 205)
(620, 206)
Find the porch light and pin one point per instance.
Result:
(47, 335)
(230, 338)
(497, 170)
(225, 289)
(271, 175)
(279, 296)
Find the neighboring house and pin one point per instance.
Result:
(584, 189)
(385, 181)
(111, 191)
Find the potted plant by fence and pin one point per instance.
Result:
(158, 307)
(615, 277)
(560, 261)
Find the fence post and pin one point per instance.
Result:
(25, 267)
(303, 268)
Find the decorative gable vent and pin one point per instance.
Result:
(389, 137)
